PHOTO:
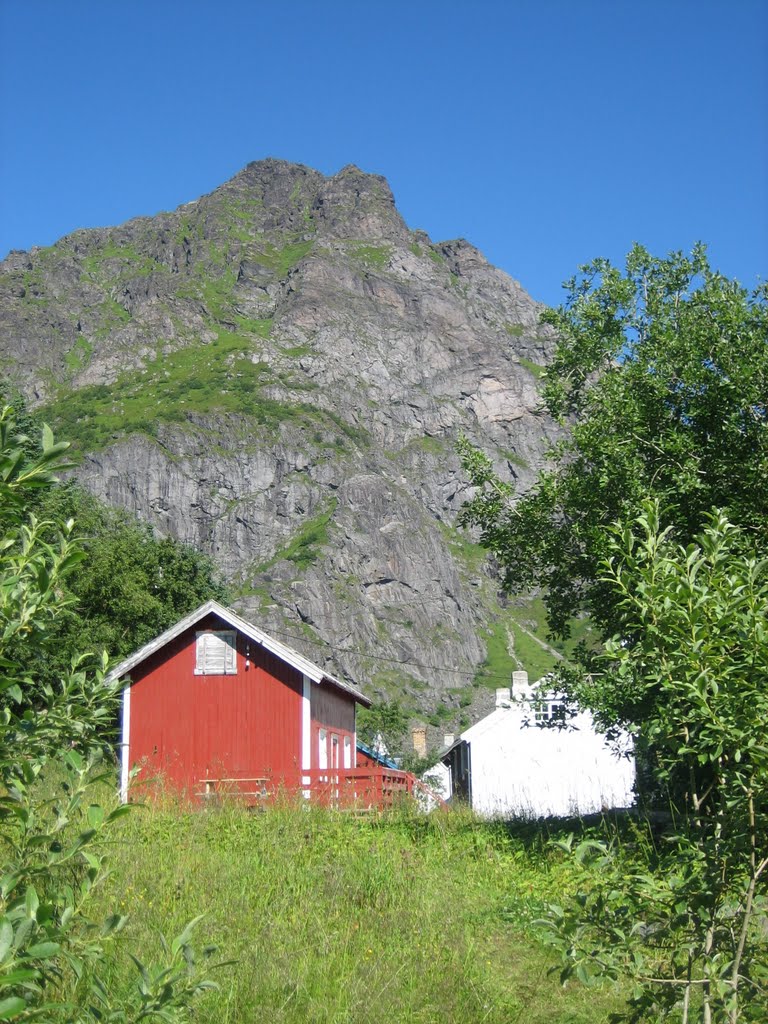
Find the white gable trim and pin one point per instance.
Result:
(282, 651)
(306, 733)
(125, 745)
(306, 725)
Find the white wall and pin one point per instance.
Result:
(537, 771)
(439, 778)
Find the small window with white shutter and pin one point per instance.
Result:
(216, 653)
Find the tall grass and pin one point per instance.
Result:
(333, 919)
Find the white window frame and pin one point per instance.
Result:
(205, 652)
(551, 709)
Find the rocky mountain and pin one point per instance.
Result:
(277, 373)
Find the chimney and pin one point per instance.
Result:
(420, 741)
(520, 684)
(502, 697)
(448, 739)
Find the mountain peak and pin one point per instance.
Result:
(349, 204)
(276, 373)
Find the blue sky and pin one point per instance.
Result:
(546, 132)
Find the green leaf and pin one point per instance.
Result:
(43, 950)
(12, 1007)
(31, 901)
(113, 924)
(95, 815)
(22, 933)
(186, 934)
(19, 977)
(6, 937)
(119, 812)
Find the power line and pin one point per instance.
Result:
(392, 661)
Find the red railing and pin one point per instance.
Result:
(357, 787)
(346, 788)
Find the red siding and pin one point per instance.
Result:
(334, 712)
(185, 728)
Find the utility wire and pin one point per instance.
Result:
(392, 661)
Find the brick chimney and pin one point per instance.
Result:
(420, 741)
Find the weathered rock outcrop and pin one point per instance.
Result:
(277, 373)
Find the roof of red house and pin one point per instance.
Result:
(283, 651)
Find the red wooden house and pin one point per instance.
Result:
(215, 705)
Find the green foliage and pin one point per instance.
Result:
(440, 716)
(126, 585)
(54, 962)
(510, 645)
(514, 459)
(220, 376)
(79, 355)
(691, 664)
(535, 368)
(498, 663)
(404, 918)
(113, 315)
(258, 328)
(296, 351)
(216, 294)
(358, 435)
(281, 259)
(662, 372)
(304, 548)
(129, 587)
(387, 719)
(514, 330)
(134, 264)
(526, 633)
(374, 256)
(223, 376)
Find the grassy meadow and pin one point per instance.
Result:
(333, 919)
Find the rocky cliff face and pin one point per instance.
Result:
(277, 373)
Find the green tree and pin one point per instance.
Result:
(661, 373)
(387, 720)
(53, 959)
(131, 585)
(127, 587)
(691, 658)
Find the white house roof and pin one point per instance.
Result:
(282, 651)
(500, 716)
(490, 721)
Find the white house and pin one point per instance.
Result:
(525, 759)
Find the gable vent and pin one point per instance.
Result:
(215, 653)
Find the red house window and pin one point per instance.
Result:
(216, 653)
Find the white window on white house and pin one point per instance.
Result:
(550, 711)
(216, 653)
